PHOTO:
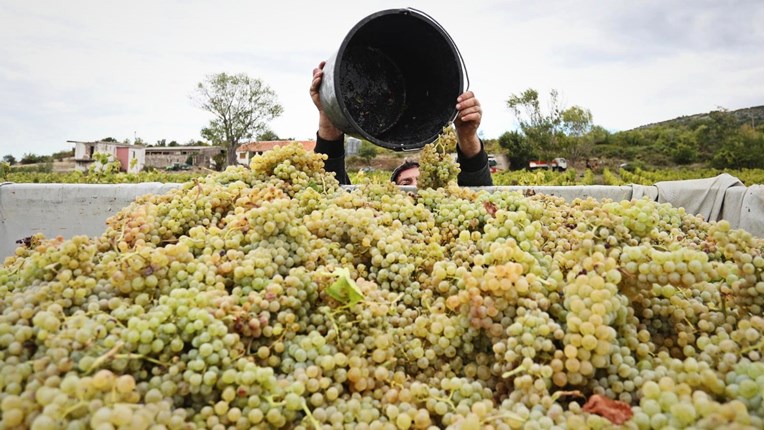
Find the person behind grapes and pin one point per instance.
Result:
(471, 156)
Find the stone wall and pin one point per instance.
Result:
(201, 158)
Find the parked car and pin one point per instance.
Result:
(493, 166)
(177, 166)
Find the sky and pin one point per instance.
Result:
(90, 69)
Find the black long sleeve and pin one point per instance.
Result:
(474, 171)
(335, 162)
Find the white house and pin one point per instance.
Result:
(131, 157)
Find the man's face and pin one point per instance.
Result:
(408, 176)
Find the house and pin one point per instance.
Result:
(131, 157)
(162, 156)
(352, 146)
(245, 151)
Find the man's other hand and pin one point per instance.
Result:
(467, 122)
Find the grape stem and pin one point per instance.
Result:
(558, 394)
(119, 238)
(69, 410)
(511, 415)
(199, 187)
(447, 400)
(270, 399)
(515, 371)
(751, 348)
(308, 414)
(109, 354)
(52, 266)
(142, 357)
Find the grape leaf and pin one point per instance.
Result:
(344, 289)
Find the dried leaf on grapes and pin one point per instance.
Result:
(615, 411)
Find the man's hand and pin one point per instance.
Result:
(327, 130)
(467, 122)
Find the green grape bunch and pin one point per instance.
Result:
(437, 165)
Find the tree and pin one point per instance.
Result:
(540, 127)
(742, 150)
(242, 107)
(576, 123)
(685, 150)
(267, 135)
(30, 158)
(193, 142)
(599, 135)
(10, 159)
(219, 160)
(519, 150)
(721, 124)
(367, 151)
(553, 130)
(60, 155)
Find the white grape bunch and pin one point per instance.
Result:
(438, 167)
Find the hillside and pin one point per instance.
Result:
(718, 139)
(752, 116)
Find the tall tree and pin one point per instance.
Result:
(367, 151)
(268, 135)
(519, 150)
(242, 107)
(718, 129)
(540, 126)
(551, 130)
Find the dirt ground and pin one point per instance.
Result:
(63, 166)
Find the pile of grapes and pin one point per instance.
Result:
(271, 297)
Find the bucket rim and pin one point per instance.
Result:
(417, 146)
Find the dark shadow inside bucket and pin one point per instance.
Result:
(399, 78)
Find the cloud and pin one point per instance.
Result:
(86, 70)
(647, 31)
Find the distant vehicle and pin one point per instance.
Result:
(177, 166)
(493, 166)
(559, 164)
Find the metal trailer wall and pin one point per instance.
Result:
(81, 209)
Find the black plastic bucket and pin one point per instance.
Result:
(394, 81)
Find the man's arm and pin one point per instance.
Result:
(474, 171)
(471, 156)
(335, 162)
(329, 139)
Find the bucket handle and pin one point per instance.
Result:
(459, 54)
